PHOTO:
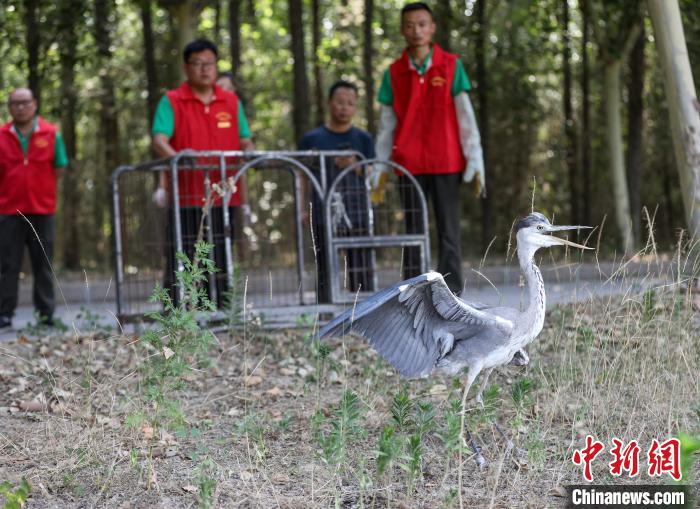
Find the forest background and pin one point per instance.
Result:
(549, 79)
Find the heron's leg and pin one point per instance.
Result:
(480, 460)
(482, 386)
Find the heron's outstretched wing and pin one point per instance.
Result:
(414, 323)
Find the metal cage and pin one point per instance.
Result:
(314, 236)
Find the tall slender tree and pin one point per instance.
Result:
(635, 123)
(149, 53)
(234, 29)
(683, 107)
(68, 22)
(315, 48)
(300, 109)
(443, 17)
(586, 189)
(33, 41)
(109, 126)
(623, 22)
(484, 119)
(570, 158)
(368, 66)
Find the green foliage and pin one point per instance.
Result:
(690, 445)
(38, 328)
(387, 451)
(206, 481)
(177, 344)
(521, 392)
(345, 426)
(15, 498)
(401, 410)
(648, 302)
(450, 432)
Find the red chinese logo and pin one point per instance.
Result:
(624, 459)
(665, 458)
(586, 456)
(662, 458)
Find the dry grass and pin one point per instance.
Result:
(624, 367)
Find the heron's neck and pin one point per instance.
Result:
(536, 297)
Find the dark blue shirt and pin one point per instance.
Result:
(323, 138)
(352, 187)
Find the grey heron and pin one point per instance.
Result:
(420, 327)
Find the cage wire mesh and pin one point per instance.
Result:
(296, 229)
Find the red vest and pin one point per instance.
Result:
(28, 183)
(426, 139)
(203, 127)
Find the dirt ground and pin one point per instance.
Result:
(264, 429)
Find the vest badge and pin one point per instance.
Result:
(438, 81)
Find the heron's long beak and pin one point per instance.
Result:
(564, 242)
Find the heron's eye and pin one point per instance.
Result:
(540, 227)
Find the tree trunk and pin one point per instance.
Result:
(185, 14)
(443, 19)
(613, 127)
(108, 126)
(33, 39)
(301, 81)
(234, 28)
(585, 115)
(67, 37)
(683, 107)
(217, 22)
(316, 43)
(368, 65)
(149, 59)
(108, 104)
(484, 120)
(635, 111)
(569, 126)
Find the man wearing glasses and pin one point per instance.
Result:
(198, 115)
(32, 158)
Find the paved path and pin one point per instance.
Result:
(87, 312)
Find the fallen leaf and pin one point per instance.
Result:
(190, 488)
(32, 406)
(167, 352)
(147, 431)
(558, 491)
(246, 476)
(275, 392)
(252, 380)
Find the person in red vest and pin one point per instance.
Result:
(32, 158)
(427, 125)
(199, 115)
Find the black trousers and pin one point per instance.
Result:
(443, 191)
(190, 220)
(15, 233)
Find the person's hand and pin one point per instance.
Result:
(343, 162)
(475, 173)
(377, 180)
(160, 197)
(378, 176)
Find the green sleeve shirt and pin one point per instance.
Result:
(460, 83)
(60, 158)
(164, 120)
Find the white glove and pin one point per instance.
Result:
(375, 178)
(160, 197)
(475, 168)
